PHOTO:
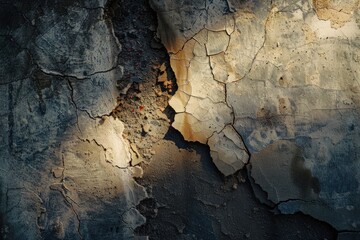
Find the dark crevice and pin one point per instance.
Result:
(169, 220)
(76, 215)
(71, 88)
(74, 103)
(57, 74)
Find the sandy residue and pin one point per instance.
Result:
(338, 12)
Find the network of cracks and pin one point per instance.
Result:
(188, 197)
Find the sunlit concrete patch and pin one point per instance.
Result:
(290, 74)
(106, 133)
(95, 171)
(198, 124)
(197, 55)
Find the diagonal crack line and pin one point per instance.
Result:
(242, 139)
(57, 74)
(291, 200)
(187, 40)
(74, 103)
(99, 144)
(229, 105)
(111, 114)
(262, 46)
(104, 149)
(78, 218)
(83, 110)
(230, 8)
(67, 200)
(93, 140)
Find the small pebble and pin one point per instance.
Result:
(146, 128)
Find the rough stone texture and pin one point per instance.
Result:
(285, 75)
(64, 164)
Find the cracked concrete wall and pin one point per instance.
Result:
(277, 80)
(64, 164)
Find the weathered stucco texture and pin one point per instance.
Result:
(64, 164)
(277, 81)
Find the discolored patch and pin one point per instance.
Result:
(338, 12)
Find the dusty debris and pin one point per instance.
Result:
(136, 157)
(141, 87)
(146, 128)
(163, 77)
(125, 89)
(143, 100)
(158, 92)
(137, 171)
(162, 68)
(161, 115)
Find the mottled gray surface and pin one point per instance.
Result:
(63, 162)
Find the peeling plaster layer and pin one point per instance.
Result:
(64, 163)
(285, 76)
(198, 63)
(228, 151)
(337, 12)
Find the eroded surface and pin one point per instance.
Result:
(64, 163)
(253, 78)
(285, 76)
(197, 203)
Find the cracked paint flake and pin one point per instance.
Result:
(201, 102)
(228, 151)
(287, 79)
